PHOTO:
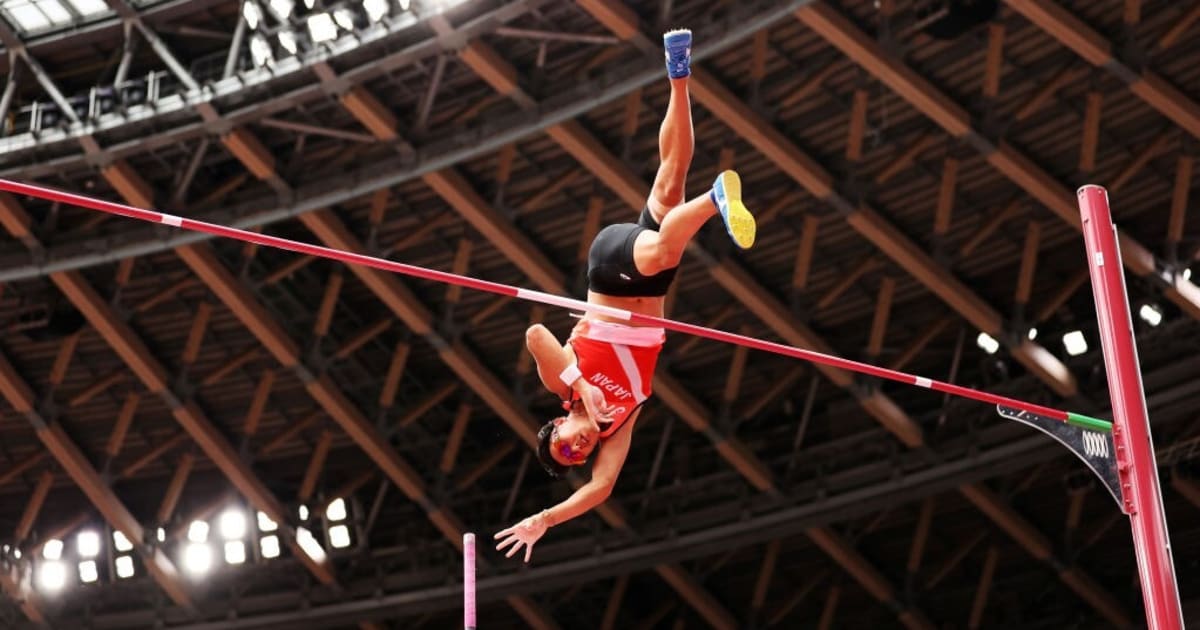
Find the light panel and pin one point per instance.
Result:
(198, 532)
(88, 544)
(52, 576)
(197, 558)
(987, 342)
(53, 549)
(88, 573)
(124, 565)
(336, 510)
(269, 546)
(1075, 343)
(121, 542)
(321, 27)
(339, 536)
(233, 524)
(235, 552)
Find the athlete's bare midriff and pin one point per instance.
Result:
(651, 306)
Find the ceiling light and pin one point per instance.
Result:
(269, 546)
(321, 27)
(302, 511)
(344, 18)
(309, 544)
(198, 532)
(121, 542)
(1187, 273)
(197, 558)
(1032, 334)
(339, 536)
(88, 544)
(282, 8)
(987, 342)
(88, 8)
(52, 576)
(88, 572)
(405, 4)
(251, 14)
(1150, 314)
(376, 9)
(1075, 343)
(235, 552)
(287, 39)
(53, 549)
(260, 51)
(336, 510)
(233, 524)
(265, 524)
(160, 534)
(124, 567)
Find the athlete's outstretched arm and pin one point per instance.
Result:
(605, 470)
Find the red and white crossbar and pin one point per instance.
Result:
(109, 207)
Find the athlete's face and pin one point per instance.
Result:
(574, 437)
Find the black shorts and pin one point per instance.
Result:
(611, 269)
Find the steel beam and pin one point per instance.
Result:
(1088, 43)
(76, 465)
(1039, 546)
(936, 105)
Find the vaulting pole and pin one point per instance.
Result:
(1136, 467)
(1080, 420)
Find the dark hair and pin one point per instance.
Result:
(553, 468)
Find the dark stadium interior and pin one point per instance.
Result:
(927, 151)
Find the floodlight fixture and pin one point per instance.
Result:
(339, 536)
(269, 545)
(235, 552)
(987, 342)
(53, 549)
(1151, 314)
(124, 565)
(121, 542)
(88, 544)
(52, 576)
(1075, 343)
(197, 558)
(233, 524)
(321, 27)
(88, 572)
(198, 532)
(336, 510)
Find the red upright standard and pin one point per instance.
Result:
(1136, 468)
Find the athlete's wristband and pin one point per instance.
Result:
(570, 375)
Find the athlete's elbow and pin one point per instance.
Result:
(533, 333)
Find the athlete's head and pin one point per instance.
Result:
(567, 440)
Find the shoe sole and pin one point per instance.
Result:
(738, 220)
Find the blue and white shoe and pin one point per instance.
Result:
(678, 47)
(727, 196)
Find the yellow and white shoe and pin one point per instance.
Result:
(727, 195)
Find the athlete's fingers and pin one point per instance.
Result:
(528, 553)
(503, 532)
(506, 543)
(513, 551)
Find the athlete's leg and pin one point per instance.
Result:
(675, 136)
(656, 251)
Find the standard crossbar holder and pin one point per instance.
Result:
(1094, 448)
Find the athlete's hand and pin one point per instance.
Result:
(525, 533)
(593, 400)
